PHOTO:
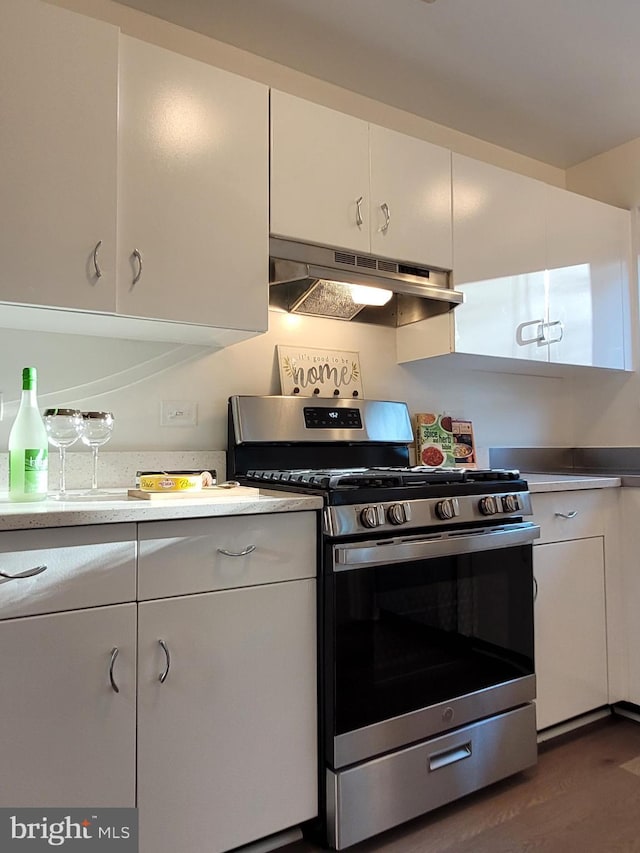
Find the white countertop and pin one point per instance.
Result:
(568, 482)
(116, 506)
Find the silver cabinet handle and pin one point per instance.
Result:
(114, 654)
(96, 265)
(136, 254)
(535, 588)
(242, 553)
(560, 325)
(28, 573)
(571, 514)
(539, 338)
(359, 219)
(163, 675)
(384, 207)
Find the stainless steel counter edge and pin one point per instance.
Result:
(540, 483)
(120, 508)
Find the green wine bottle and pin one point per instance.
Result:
(28, 446)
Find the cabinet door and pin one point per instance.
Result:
(193, 191)
(503, 317)
(58, 102)
(570, 629)
(587, 256)
(227, 743)
(498, 261)
(498, 222)
(413, 179)
(69, 739)
(319, 170)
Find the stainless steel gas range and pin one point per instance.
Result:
(425, 608)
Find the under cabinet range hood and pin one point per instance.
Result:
(322, 281)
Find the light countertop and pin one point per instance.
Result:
(116, 507)
(568, 482)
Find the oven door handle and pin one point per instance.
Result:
(360, 556)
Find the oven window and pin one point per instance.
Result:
(410, 635)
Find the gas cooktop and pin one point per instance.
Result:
(378, 477)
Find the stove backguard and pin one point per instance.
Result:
(273, 433)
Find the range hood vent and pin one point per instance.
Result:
(321, 281)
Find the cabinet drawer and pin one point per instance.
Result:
(199, 555)
(85, 567)
(586, 511)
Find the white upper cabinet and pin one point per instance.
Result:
(319, 174)
(499, 261)
(544, 273)
(587, 248)
(193, 191)
(58, 144)
(135, 187)
(339, 181)
(498, 222)
(410, 198)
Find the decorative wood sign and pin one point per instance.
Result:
(319, 372)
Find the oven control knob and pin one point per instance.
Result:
(488, 505)
(447, 509)
(370, 517)
(397, 514)
(510, 503)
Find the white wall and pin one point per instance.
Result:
(613, 176)
(132, 378)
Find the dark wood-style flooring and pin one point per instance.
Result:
(582, 797)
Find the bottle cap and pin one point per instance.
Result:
(29, 378)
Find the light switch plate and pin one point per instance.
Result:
(178, 413)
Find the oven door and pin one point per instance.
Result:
(423, 634)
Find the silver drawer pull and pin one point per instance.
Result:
(29, 573)
(449, 756)
(136, 254)
(248, 550)
(571, 514)
(96, 265)
(114, 654)
(163, 675)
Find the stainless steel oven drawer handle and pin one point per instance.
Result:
(354, 557)
(248, 550)
(28, 573)
(449, 756)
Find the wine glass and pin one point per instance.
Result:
(95, 431)
(63, 429)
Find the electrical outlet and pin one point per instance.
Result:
(178, 413)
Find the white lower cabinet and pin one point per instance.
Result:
(580, 649)
(68, 666)
(226, 744)
(68, 738)
(570, 629)
(197, 702)
(227, 741)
